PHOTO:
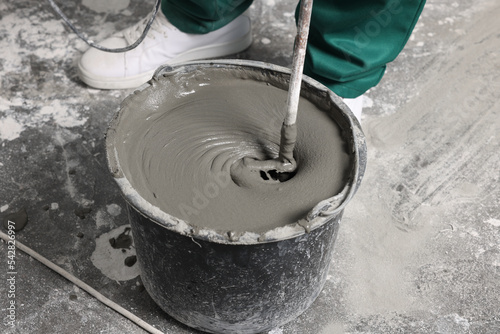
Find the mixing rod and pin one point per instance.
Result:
(283, 167)
(289, 127)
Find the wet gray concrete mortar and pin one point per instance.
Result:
(419, 246)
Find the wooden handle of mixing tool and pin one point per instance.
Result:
(299, 54)
(289, 129)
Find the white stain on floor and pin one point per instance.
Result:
(114, 209)
(64, 115)
(44, 39)
(10, 129)
(20, 37)
(111, 261)
(494, 222)
(67, 114)
(102, 219)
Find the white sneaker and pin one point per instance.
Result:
(164, 44)
(356, 106)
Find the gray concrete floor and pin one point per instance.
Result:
(419, 246)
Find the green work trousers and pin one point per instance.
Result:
(350, 41)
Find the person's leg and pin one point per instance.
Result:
(350, 42)
(201, 17)
(211, 29)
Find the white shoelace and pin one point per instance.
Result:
(160, 25)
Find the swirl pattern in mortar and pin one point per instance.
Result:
(179, 139)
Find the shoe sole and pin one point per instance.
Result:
(206, 52)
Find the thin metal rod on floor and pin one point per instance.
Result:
(84, 286)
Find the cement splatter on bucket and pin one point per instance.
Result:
(215, 255)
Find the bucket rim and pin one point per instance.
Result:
(322, 213)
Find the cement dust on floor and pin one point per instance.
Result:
(419, 246)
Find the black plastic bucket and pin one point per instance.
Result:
(219, 283)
